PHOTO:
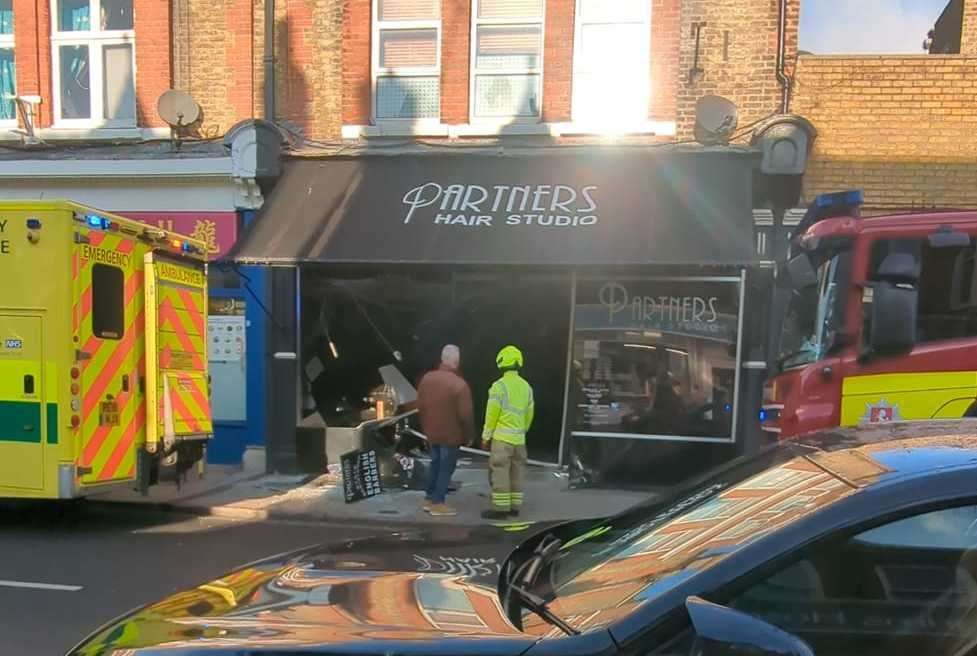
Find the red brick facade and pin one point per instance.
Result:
(357, 86)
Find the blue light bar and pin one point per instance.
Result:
(763, 415)
(841, 199)
(96, 221)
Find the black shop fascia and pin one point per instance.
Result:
(621, 272)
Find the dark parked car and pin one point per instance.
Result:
(855, 542)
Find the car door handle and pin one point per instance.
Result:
(125, 382)
(29, 384)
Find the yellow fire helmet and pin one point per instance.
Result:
(509, 357)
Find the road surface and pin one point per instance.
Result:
(62, 574)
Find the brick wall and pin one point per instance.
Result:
(558, 60)
(666, 24)
(312, 63)
(219, 60)
(151, 21)
(356, 62)
(968, 33)
(737, 55)
(904, 129)
(456, 21)
(32, 53)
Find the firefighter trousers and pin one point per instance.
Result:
(507, 464)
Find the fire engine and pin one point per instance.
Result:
(881, 320)
(103, 352)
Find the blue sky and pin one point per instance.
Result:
(867, 26)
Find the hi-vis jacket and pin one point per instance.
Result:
(509, 414)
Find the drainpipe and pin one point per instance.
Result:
(269, 60)
(785, 81)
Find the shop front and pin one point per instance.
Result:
(623, 274)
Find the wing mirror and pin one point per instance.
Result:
(722, 631)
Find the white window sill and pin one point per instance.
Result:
(486, 129)
(13, 133)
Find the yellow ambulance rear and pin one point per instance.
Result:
(103, 350)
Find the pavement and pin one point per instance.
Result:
(66, 570)
(242, 494)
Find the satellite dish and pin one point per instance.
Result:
(178, 109)
(715, 120)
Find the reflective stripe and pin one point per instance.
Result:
(509, 431)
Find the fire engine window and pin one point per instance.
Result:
(108, 302)
(947, 286)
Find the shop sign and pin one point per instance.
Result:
(218, 230)
(477, 206)
(361, 475)
(623, 305)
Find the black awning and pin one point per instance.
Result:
(593, 206)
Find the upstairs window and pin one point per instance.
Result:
(407, 59)
(94, 63)
(8, 77)
(612, 56)
(507, 59)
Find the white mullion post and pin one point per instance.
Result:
(96, 89)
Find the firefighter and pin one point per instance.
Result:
(508, 416)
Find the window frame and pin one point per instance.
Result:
(7, 42)
(646, 89)
(377, 71)
(474, 74)
(95, 40)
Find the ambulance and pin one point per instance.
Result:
(103, 351)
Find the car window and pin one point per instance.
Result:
(906, 587)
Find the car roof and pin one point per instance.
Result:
(877, 453)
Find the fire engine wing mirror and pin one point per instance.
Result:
(722, 631)
(801, 273)
(895, 308)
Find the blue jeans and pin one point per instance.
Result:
(443, 462)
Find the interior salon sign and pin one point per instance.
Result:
(693, 307)
(616, 298)
(559, 205)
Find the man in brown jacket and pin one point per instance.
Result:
(444, 402)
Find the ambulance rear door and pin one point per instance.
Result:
(177, 383)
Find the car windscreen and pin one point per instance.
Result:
(615, 566)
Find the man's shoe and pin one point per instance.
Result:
(426, 505)
(514, 512)
(495, 514)
(442, 510)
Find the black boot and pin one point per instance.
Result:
(495, 514)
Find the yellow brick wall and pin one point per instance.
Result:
(903, 128)
(968, 34)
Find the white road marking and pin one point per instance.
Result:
(40, 586)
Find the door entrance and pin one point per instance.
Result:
(23, 411)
